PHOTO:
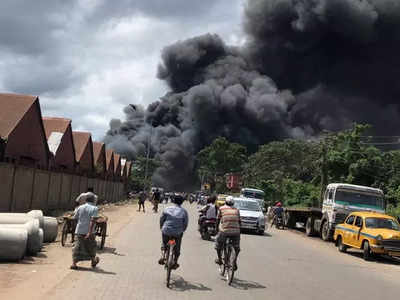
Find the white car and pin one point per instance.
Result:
(251, 214)
(254, 194)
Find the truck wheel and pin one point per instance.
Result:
(341, 247)
(310, 226)
(367, 251)
(325, 231)
(289, 220)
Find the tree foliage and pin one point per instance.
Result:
(137, 181)
(219, 158)
(296, 171)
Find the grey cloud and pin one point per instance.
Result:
(169, 10)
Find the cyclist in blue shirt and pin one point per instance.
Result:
(173, 223)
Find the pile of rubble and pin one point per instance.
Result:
(24, 234)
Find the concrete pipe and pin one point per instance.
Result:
(13, 243)
(17, 218)
(32, 227)
(20, 218)
(41, 237)
(37, 214)
(50, 229)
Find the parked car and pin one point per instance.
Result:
(251, 214)
(374, 233)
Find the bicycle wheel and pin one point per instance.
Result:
(231, 262)
(103, 235)
(169, 262)
(64, 233)
(222, 267)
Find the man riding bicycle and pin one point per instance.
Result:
(228, 223)
(173, 223)
(278, 212)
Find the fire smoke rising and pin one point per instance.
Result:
(308, 65)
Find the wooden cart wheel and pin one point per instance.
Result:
(103, 235)
(64, 233)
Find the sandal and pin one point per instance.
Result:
(95, 262)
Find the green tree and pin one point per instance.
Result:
(219, 158)
(295, 159)
(137, 181)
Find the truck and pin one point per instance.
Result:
(339, 200)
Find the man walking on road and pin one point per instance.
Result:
(81, 199)
(85, 247)
(156, 200)
(142, 199)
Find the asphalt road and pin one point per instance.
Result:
(278, 265)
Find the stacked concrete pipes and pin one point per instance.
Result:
(25, 233)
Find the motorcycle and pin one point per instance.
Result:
(279, 224)
(207, 227)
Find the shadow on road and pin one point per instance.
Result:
(249, 232)
(95, 270)
(29, 260)
(181, 285)
(380, 259)
(110, 250)
(246, 285)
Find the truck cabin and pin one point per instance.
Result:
(353, 197)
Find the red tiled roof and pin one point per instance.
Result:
(109, 156)
(12, 109)
(128, 168)
(117, 161)
(55, 125)
(81, 139)
(97, 149)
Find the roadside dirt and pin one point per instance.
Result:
(34, 276)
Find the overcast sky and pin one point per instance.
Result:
(88, 59)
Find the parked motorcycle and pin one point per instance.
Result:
(279, 224)
(207, 227)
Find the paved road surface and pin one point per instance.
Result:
(280, 265)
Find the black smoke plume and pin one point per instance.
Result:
(308, 65)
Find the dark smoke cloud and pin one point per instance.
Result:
(308, 65)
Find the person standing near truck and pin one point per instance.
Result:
(278, 213)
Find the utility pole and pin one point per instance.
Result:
(147, 158)
(324, 173)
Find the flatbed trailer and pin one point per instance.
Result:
(322, 221)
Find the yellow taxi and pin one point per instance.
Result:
(374, 233)
(220, 200)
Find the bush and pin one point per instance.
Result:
(393, 211)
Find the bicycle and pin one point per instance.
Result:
(169, 255)
(228, 261)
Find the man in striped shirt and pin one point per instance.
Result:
(228, 222)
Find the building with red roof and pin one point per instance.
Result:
(60, 142)
(117, 166)
(109, 164)
(99, 155)
(83, 152)
(22, 135)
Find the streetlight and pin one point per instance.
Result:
(134, 107)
